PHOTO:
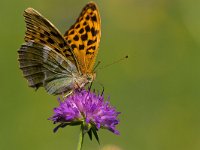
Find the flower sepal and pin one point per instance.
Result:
(93, 130)
(64, 124)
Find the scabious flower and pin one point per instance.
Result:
(87, 109)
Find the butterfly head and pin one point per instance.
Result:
(91, 77)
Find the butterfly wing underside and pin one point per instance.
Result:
(84, 37)
(46, 59)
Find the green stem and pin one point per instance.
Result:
(80, 142)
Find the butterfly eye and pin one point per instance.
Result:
(89, 78)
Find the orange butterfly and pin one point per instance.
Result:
(60, 63)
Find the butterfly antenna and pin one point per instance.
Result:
(98, 63)
(117, 61)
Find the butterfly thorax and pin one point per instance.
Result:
(84, 79)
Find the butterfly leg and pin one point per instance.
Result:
(77, 85)
(90, 86)
(102, 91)
(102, 88)
(65, 95)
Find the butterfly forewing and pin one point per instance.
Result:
(84, 37)
(42, 31)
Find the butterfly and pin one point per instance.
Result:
(60, 63)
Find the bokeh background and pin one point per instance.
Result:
(157, 88)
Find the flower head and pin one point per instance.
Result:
(87, 109)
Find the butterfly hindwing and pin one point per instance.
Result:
(42, 66)
(84, 37)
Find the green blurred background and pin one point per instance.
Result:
(157, 89)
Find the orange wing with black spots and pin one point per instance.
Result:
(84, 37)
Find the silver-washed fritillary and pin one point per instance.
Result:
(60, 63)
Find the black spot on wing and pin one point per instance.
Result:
(87, 17)
(66, 49)
(69, 41)
(46, 33)
(94, 18)
(84, 37)
(81, 30)
(90, 42)
(73, 46)
(94, 32)
(50, 41)
(46, 22)
(67, 55)
(93, 7)
(42, 35)
(81, 47)
(76, 38)
(56, 50)
(92, 47)
(54, 34)
(87, 28)
(80, 19)
(42, 41)
(61, 45)
(77, 26)
(72, 32)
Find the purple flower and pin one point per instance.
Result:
(88, 110)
